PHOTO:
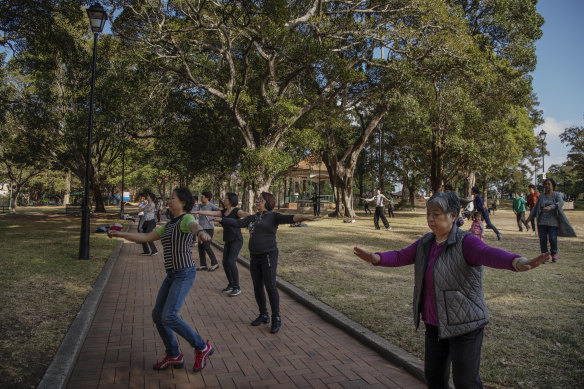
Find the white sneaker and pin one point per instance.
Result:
(533, 233)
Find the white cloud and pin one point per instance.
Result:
(553, 126)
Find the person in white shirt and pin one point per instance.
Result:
(379, 210)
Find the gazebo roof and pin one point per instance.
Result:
(306, 168)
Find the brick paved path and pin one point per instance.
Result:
(122, 343)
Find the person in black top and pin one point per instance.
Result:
(232, 239)
(316, 204)
(263, 253)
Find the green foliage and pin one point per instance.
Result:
(265, 160)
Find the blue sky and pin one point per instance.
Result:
(558, 79)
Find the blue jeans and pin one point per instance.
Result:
(488, 222)
(544, 232)
(172, 294)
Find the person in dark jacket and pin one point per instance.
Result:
(263, 253)
(448, 290)
(233, 241)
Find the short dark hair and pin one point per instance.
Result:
(552, 182)
(207, 194)
(531, 186)
(448, 187)
(233, 199)
(196, 198)
(186, 196)
(475, 190)
(270, 200)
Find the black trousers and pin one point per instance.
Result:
(379, 214)
(148, 226)
(316, 209)
(263, 274)
(463, 352)
(366, 208)
(206, 248)
(230, 253)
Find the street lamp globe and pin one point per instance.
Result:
(97, 17)
(542, 134)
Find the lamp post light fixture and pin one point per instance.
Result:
(97, 17)
(542, 135)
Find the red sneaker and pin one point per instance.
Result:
(201, 357)
(176, 362)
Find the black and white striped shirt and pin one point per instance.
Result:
(176, 243)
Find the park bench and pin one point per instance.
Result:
(71, 209)
(4, 209)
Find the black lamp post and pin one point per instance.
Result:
(97, 18)
(542, 135)
(123, 174)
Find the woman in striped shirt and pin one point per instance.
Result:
(176, 236)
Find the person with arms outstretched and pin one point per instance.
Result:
(176, 236)
(448, 290)
(263, 253)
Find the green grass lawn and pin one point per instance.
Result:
(42, 287)
(535, 337)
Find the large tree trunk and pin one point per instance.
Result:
(342, 182)
(251, 192)
(67, 195)
(412, 189)
(15, 192)
(96, 190)
(436, 163)
(405, 183)
(469, 183)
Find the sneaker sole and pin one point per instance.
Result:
(174, 365)
(234, 294)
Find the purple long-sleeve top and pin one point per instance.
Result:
(475, 251)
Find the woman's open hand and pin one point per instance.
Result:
(525, 264)
(366, 255)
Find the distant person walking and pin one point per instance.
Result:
(519, 204)
(176, 237)
(480, 206)
(378, 199)
(551, 220)
(149, 248)
(263, 253)
(448, 291)
(233, 241)
(207, 223)
(531, 200)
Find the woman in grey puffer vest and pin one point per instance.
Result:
(448, 291)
